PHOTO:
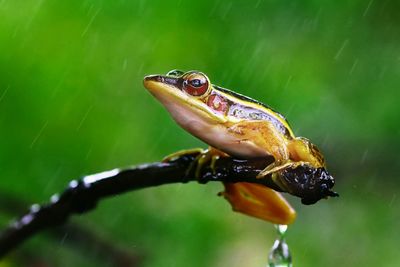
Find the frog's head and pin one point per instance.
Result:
(186, 95)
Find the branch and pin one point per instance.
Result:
(83, 195)
(84, 240)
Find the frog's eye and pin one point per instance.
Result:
(196, 84)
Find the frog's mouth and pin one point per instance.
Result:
(168, 90)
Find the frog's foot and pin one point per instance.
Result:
(259, 201)
(279, 166)
(181, 153)
(208, 157)
(205, 157)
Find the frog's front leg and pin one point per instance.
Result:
(181, 153)
(206, 157)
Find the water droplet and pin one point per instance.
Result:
(282, 228)
(279, 256)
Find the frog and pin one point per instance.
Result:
(234, 125)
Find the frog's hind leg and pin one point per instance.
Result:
(259, 201)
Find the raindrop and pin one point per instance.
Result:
(84, 118)
(90, 22)
(354, 66)
(5, 91)
(339, 52)
(366, 10)
(39, 134)
(279, 256)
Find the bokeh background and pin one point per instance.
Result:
(72, 103)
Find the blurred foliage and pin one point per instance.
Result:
(72, 103)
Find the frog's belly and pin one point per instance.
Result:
(201, 125)
(221, 138)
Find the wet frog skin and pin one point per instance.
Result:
(238, 126)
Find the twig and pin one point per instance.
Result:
(84, 240)
(83, 195)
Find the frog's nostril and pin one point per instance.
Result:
(160, 79)
(155, 78)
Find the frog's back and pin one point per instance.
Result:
(247, 108)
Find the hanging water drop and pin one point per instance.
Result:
(279, 256)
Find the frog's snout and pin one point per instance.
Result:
(153, 78)
(161, 80)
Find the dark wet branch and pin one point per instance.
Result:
(83, 195)
(82, 239)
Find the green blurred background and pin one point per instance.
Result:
(72, 103)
